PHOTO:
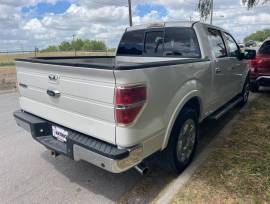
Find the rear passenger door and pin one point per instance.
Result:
(236, 67)
(222, 88)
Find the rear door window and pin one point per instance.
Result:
(232, 46)
(131, 43)
(217, 43)
(154, 43)
(265, 48)
(181, 42)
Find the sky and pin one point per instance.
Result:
(26, 24)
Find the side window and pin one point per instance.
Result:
(217, 43)
(181, 42)
(233, 48)
(153, 43)
(131, 43)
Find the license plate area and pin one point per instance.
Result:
(59, 133)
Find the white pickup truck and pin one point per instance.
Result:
(114, 112)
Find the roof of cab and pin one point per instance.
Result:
(162, 24)
(171, 24)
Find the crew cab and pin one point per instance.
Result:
(260, 66)
(114, 112)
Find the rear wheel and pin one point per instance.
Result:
(183, 141)
(245, 93)
(254, 87)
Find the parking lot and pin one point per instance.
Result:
(28, 174)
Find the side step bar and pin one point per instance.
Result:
(219, 113)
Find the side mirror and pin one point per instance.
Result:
(241, 56)
(250, 54)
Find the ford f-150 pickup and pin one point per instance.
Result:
(114, 112)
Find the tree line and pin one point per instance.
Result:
(78, 45)
(259, 36)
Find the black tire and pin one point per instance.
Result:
(254, 87)
(245, 93)
(170, 155)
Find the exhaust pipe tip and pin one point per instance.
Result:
(54, 154)
(142, 169)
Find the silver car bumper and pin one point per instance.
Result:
(115, 166)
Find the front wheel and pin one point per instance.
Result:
(183, 141)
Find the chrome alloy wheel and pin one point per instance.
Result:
(186, 141)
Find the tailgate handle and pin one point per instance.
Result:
(53, 93)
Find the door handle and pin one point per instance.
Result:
(218, 70)
(53, 93)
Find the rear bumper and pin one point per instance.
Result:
(79, 146)
(262, 81)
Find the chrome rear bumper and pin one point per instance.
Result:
(79, 146)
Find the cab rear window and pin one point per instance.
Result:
(132, 43)
(169, 42)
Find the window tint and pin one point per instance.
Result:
(181, 42)
(233, 48)
(131, 43)
(265, 48)
(217, 44)
(153, 43)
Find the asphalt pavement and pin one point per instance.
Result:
(28, 174)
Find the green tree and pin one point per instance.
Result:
(51, 48)
(65, 46)
(87, 46)
(99, 45)
(204, 6)
(260, 35)
(94, 45)
(77, 44)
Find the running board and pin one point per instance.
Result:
(219, 113)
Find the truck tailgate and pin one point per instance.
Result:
(86, 101)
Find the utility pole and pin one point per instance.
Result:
(212, 11)
(130, 12)
(73, 42)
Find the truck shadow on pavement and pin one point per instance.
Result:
(131, 187)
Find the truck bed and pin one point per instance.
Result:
(76, 61)
(110, 62)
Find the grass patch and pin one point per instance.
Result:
(238, 171)
(7, 59)
(4, 64)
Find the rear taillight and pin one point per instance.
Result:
(254, 63)
(254, 66)
(129, 101)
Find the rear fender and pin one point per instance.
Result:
(176, 112)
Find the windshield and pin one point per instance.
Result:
(265, 48)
